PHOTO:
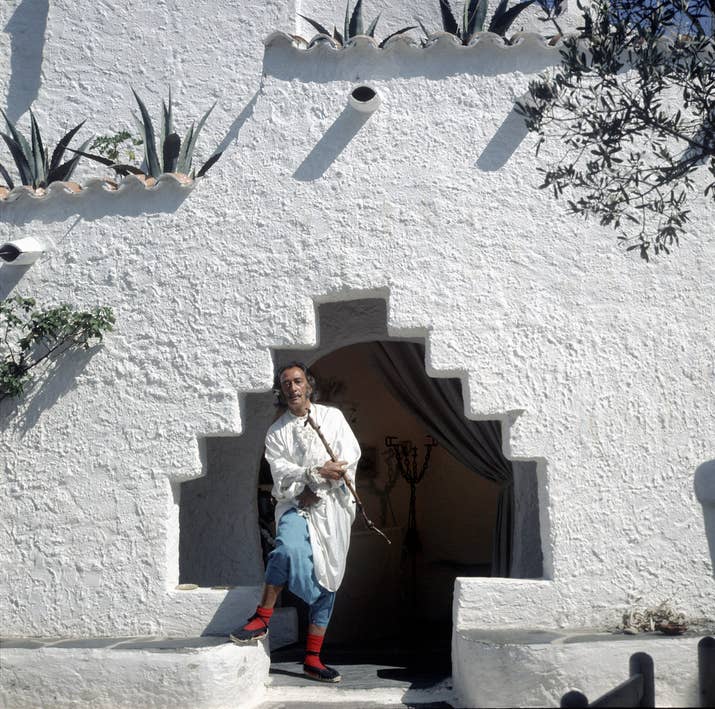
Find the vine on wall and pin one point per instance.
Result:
(30, 336)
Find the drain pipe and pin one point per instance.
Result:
(364, 99)
(22, 252)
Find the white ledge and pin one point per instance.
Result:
(128, 184)
(406, 43)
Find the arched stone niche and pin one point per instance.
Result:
(219, 534)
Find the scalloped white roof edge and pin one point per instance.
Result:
(403, 42)
(94, 185)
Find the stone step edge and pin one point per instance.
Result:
(334, 694)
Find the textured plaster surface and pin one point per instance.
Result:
(600, 367)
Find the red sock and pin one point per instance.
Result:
(313, 644)
(263, 614)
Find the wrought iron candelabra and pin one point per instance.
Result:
(406, 459)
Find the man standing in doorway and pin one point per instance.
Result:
(314, 512)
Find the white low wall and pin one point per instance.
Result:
(213, 677)
(521, 671)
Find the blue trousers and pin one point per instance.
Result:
(291, 564)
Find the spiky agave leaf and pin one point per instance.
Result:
(6, 176)
(503, 19)
(370, 32)
(346, 22)
(355, 26)
(394, 34)
(19, 138)
(119, 168)
(500, 10)
(208, 164)
(125, 169)
(194, 138)
(338, 37)
(170, 154)
(475, 12)
(142, 132)
(422, 27)
(21, 162)
(323, 38)
(39, 158)
(321, 29)
(63, 172)
(150, 154)
(183, 163)
(59, 150)
(166, 125)
(92, 156)
(481, 15)
(449, 23)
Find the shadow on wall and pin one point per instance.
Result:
(229, 614)
(705, 492)
(219, 542)
(10, 276)
(26, 28)
(235, 128)
(329, 147)
(96, 201)
(503, 143)
(47, 388)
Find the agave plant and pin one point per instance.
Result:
(474, 14)
(352, 27)
(172, 153)
(505, 16)
(31, 157)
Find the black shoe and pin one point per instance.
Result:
(241, 636)
(326, 674)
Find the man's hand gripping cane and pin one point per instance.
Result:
(339, 468)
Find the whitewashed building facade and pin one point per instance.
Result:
(319, 228)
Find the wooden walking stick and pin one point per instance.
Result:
(370, 525)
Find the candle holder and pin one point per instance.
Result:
(405, 454)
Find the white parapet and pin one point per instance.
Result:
(201, 673)
(535, 668)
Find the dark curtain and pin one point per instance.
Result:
(439, 405)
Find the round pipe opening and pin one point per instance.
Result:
(363, 94)
(364, 99)
(9, 252)
(21, 252)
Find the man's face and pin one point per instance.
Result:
(296, 390)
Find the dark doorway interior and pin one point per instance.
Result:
(399, 596)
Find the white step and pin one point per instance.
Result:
(363, 685)
(317, 695)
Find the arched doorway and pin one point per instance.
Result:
(380, 604)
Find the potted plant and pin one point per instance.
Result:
(35, 167)
(474, 14)
(353, 26)
(171, 155)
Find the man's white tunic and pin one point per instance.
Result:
(295, 453)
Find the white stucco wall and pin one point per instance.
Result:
(600, 366)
